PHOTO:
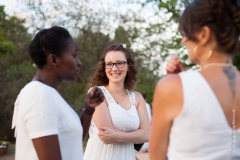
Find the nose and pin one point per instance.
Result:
(79, 63)
(114, 67)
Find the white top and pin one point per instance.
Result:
(125, 120)
(200, 131)
(41, 111)
(146, 144)
(149, 112)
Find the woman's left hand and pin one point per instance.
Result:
(94, 97)
(107, 135)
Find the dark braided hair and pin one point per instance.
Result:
(221, 16)
(99, 77)
(53, 40)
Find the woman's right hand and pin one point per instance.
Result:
(174, 65)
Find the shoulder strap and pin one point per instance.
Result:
(107, 95)
(131, 95)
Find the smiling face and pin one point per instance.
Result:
(116, 74)
(69, 63)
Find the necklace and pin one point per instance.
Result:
(218, 64)
(120, 101)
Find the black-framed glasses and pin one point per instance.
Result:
(118, 64)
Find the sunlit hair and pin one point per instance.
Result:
(221, 16)
(100, 78)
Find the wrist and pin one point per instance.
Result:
(118, 137)
(88, 110)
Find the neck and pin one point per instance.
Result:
(47, 78)
(114, 88)
(217, 60)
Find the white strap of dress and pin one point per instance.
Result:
(132, 97)
(107, 94)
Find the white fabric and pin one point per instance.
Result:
(146, 144)
(41, 111)
(200, 131)
(125, 120)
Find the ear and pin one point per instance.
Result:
(204, 35)
(52, 59)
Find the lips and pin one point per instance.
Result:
(115, 74)
(77, 73)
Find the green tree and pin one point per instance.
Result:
(92, 32)
(15, 67)
(172, 45)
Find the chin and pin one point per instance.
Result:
(192, 59)
(71, 79)
(116, 81)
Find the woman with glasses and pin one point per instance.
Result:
(121, 120)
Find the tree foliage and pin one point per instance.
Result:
(15, 67)
(92, 32)
(172, 10)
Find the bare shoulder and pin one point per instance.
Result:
(168, 96)
(139, 99)
(170, 84)
(138, 95)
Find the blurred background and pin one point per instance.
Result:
(147, 27)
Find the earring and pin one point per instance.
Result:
(208, 55)
(195, 51)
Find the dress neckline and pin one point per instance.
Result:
(109, 94)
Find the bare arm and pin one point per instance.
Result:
(86, 120)
(47, 148)
(109, 135)
(165, 109)
(92, 100)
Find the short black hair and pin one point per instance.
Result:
(53, 40)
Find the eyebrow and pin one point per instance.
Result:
(116, 61)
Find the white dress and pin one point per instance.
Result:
(201, 131)
(125, 120)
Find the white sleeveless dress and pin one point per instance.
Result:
(201, 131)
(125, 120)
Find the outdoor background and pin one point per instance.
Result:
(147, 27)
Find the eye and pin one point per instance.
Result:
(120, 63)
(109, 64)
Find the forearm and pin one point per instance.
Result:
(138, 136)
(156, 155)
(157, 150)
(85, 118)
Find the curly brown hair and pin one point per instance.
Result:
(221, 16)
(100, 78)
